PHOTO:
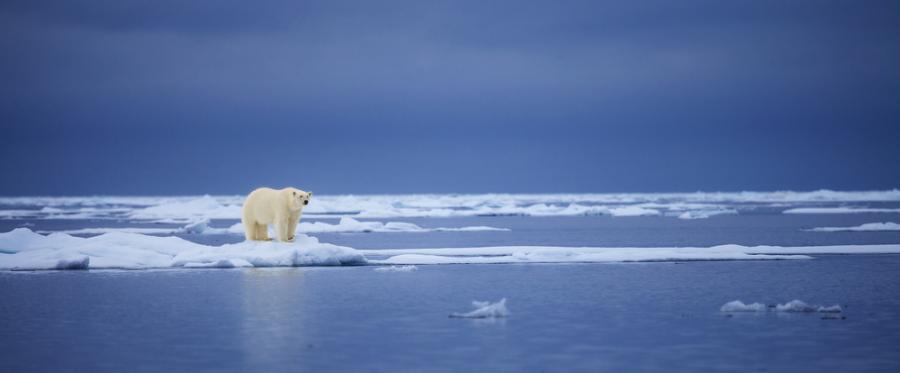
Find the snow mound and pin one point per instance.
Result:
(28, 250)
(868, 227)
(484, 310)
(397, 269)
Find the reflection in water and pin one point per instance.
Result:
(273, 307)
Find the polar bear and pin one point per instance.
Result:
(266, 206)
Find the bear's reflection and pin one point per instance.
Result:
(273, 316)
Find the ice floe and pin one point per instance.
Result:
(27, 250)
(868, 227)
(484, 310)
(795, 305)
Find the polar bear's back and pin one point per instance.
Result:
(262, 204)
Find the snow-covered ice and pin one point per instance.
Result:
(868, 227)
(485, 310)
(27, 250)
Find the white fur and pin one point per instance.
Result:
(266, 206)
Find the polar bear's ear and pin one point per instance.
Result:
(308, 194)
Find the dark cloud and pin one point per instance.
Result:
(450, 96)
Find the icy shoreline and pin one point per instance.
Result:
(23, 249)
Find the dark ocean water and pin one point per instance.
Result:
(564, 317)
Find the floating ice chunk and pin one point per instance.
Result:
(868, 227)
(409, 268)
(738, 306)
(485, 310)
(830, 309)
(792, 306)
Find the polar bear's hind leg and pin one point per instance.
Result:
(249, 230)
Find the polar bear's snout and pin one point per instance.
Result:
(306, 202)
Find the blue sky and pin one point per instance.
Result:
(172, 97)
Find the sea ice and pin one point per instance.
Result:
(485, 310)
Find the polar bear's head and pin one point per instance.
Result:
(297, 198)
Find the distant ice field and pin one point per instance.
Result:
(205, 231)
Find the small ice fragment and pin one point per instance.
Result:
(831, 309)
(485, 310)
(409, 268)
(738, 306)
(795, 306)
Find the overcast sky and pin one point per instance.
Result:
(193, 97)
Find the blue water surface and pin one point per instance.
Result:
(564, 317)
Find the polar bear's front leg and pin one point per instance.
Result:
(262, 232)
(281, 225)
(292, 227)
